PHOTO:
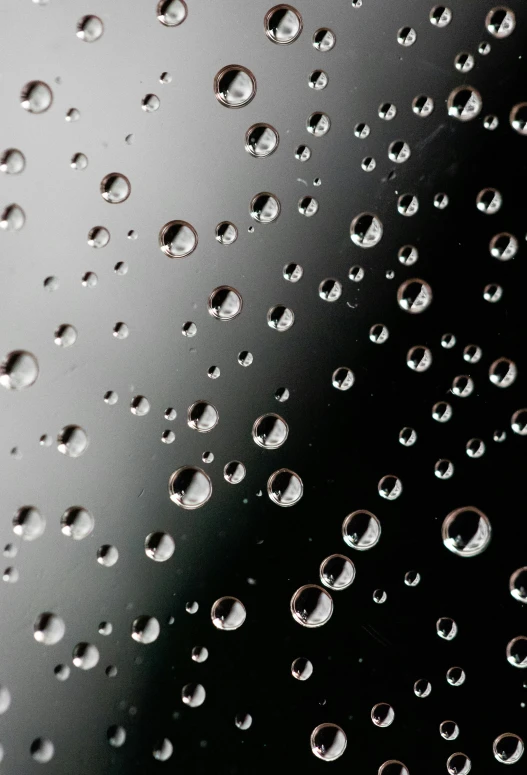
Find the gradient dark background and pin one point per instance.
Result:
(187, 161)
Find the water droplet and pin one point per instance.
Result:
(159, 546)
(98, 237)
(517, 651)
(414, 296)
(489, 201)
(270, 431)
(72, 441)
(145, 629)
(225, 303)
(328, 742)
(444, 469)
(440, 201)
(484, 48)
(519, 422)
(464, 103)
(228, 613)
(165, 78)
(361, 131)
(36, 97)
(234, 86)
(163, 748)
(200, 654)
(318, 124)
(150, 103)
(190, 487)
(366, 230)
(508, 748)
(518, 585)
(464, 62)
(337, 572)
(12, 161)
(448, 730)
(518, 118)
(292, 272)
(72, 115)
(89, 28)
(390, 487)
(213, 372)
(177, 239)
(28, 523)
(492, 293)
(379, 596)
(446, 628)
(440, 16)
(462, 386)
(115, 188)
(393, 767)
(65, 335)
(455, 676)
(318, 80)
(245, 358)
(18, 370)
(419, 358)
(280, 318)
(79, 161)
(116, 736)
(330, 290)
(171, 13)
(202, 416)
(282, 394)
(490, 122)
(399, 152)
(503, 372)
(139, 406)
(62, 672)
(42, 750)
(49, 629)
(168, 437)
(356, 274)
(422, 105)
(407, 205)
(85, 656)
(302, 669)
(311, 606)
(243, 720)
(77, 523)
(107, 555)
(412, 578)
(500, 22)
(10, 575)
(406, 36)
(12, 218)
(324, 39)
(475, 448)
(458, 764)
(422, 688)
(302, 153)
(283, 24)
(368, 164)
(466, 531)
(285, 488)
(382, 714)
(307, 206)
(503, 246)
(234, 472)
(361, 530)
(261, 140)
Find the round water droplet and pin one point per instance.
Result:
(12, 218)
(472, 353)
(508, 748)
(328, 742)
(264, 208)
(65, 335)
(408, 255)
(466, 531)
(448, 730)
(366, 230)
(115, 188)
(98, 237)
(519, 422)
(150, 103)
(282, 394)
(458, 764)
(382, 714)
(311, 606)
(503, 372)
(455, 676)
(318, 80)
(414, 296)
(318, 124)
(393, 767)
(225, 303)
(500, 22)
(116, 736)
(330, 290)
(518, 585)
(444, 469)
(446, 628)
(464, 62)
(379, 596)
(361, 530)
(171, 13)
(178, 239)
(492, 293)
(162, 750)
(12, 161)
(422, 688)
(462, 386)
(307, 206)
(517, 651)
(518, 118)
(379, 333)
(292, 272)
(226, 233)
(36, 97)
(342, 378)
(337, 572)
(489, 201)
(464, 103)
(368, 164)
(280, 318)
(285, 488)
(190, 487)
(245, 358)
(399, 152)
(145, 629)
(419, 358)
(412, 578)
(440, 16)
(89, 28)
(407, 205)
(356, 274)
(193, 695)
(42, 750)
(49, 629)
(234, 86)
(202, 416)
(261, 140)
(283, 24)
(361, 131)
(85, 656)
(270, 431)
(387, 111)
(107, 555)
(503, 246)
(228, 613)
(62, 672)
(390, 487)
(475, 448)
(243, 720)
(234, 472)
(302, 669)
(18, 370)
(77, 523)
(139, 406)
(407, 437)
(200, 654)
(441, 201)
(72, 441)
(302, 153)
(159, 546)
(422, 105)
(406, 36)
(324, 39)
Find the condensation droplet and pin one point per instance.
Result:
(466, 531)
(226, 233)
(407, 205)
(77, 523)
(171, 13)
(234, 86)
(264, 208)
(448, 730)
(115, 188)
(446, 628)
(366, 230)
(419, 358)
(36, 97)
(89, 29)
(145, 629)
(283, 24)
(458, 764)
(28, 523)
(508, 748)
(302, 669)
(414, 296)
(462, 386)
(285, 488)
(178, 239)
(12, 218)
(440, 16)
(85, 656)
(361, 530)
(464, 103)
(382, 715)
(311, 606)
(261, 140)
(406, 36)
(318, 124)
(455, 676)
(42, 750)
(190, 487)
(500, 22)
(337, 572)
(328, 742)
(390, 487)
(324, 39)
(228, 613)
(107, 555)
(49, 629)
(280, 318)
(517, 651)
(422, 105)
(159, 546)
(12, 161)
(518, 585)
(422, 688)
(307, 206)
(18, 370)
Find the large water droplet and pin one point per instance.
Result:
(311, 606)
(190, 487)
